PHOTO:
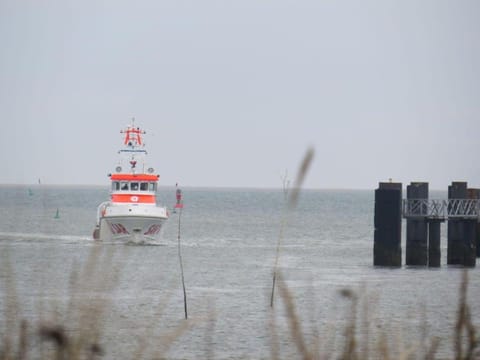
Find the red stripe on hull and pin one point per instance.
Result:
(133, 198)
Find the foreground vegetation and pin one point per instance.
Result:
(79, 334)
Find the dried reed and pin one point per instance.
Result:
(78, 335)
(292, 199)
(464, 327)
(356, 341)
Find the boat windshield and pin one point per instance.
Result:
(133, 186)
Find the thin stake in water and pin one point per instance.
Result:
(181, 263)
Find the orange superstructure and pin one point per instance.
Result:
(134, 177)
(134, 188)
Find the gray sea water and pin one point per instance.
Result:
(228, 241)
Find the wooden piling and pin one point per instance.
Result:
(471, 233)
(387, 250)
(477, 243)
(417, 228)
(434, 252)
(469, 242)
(475, 194)
(461, 232)
(458, 190)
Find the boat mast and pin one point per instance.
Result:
(133, 147)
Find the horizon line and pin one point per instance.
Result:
(225, 187)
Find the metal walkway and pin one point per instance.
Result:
(441, 209)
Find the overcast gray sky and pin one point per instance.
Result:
(233, 92)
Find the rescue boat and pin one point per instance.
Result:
(132, 213)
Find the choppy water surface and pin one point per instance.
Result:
(228, 242)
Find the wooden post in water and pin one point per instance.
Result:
(461, 231)
(387, 249)
(471, 233)
(477, 243)
(458, 190)
(469, 245)
(417, 227)
(475, 194)
(478, 239)
(434, 252)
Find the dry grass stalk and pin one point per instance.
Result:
(90, 290)
(171, 337)
(350, 349)
(210, 331)
(84, 315)
(274, 344)
(142, 345)
(293, 320)
(11, 310)
(464, 324)
(383, 349)
(316, 338)
(98, 277)
(301, 174)
(23, 342)
(292, 200)
(432, 349)
(365, 323)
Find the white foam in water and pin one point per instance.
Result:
(144, 242)
(43, 237)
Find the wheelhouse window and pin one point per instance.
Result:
(115, 186)
(144, 186)
(124, 185)
(152, 186)
(134, 186)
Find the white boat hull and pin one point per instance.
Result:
(131, 222)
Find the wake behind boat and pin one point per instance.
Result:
(132, 213)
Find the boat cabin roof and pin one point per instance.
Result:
(134, 177)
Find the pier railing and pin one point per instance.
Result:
(441, 209)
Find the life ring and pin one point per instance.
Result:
(134, 198)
